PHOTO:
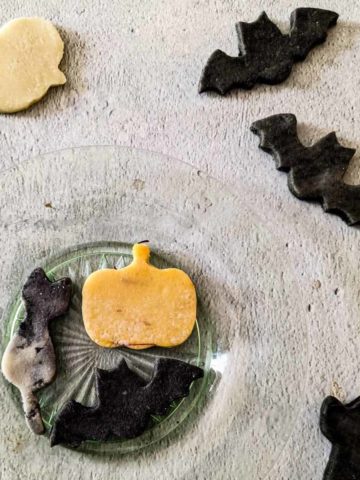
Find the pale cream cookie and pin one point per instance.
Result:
(30, 52)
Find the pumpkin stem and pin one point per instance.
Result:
(141, 252)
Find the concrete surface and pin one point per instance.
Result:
(133, 69)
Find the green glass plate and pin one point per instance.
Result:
(252, 337)
(78, 356)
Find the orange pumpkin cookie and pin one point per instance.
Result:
(139, 306)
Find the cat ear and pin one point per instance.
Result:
(45, 298)
(35, 275)
(58, 78)
(35, 279)
(331, 410)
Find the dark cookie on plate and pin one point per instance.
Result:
(29, 359)
(125, 402)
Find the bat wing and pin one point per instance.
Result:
(117, 411)
(318, 169)
(76, 423)
(343, 200)
(278, 136)
(222, 73)
(171, 380)
(259, 43)
(308, 28)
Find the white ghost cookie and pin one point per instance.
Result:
(30, 52)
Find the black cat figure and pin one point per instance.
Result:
(341, 425)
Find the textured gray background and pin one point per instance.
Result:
(132, 69)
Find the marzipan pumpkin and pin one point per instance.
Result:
(139, 306)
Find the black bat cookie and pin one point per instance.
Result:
(124, 403)
(265, 54)
(316, 172)
(29, 359)
(341, 425)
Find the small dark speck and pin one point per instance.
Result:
(48, 205)
(132, 30)
(309, 308)
(286, 245)
(38, 349)
(336, 291)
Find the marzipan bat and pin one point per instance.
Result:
(316, 172)
(125, 403)
(265, 54)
